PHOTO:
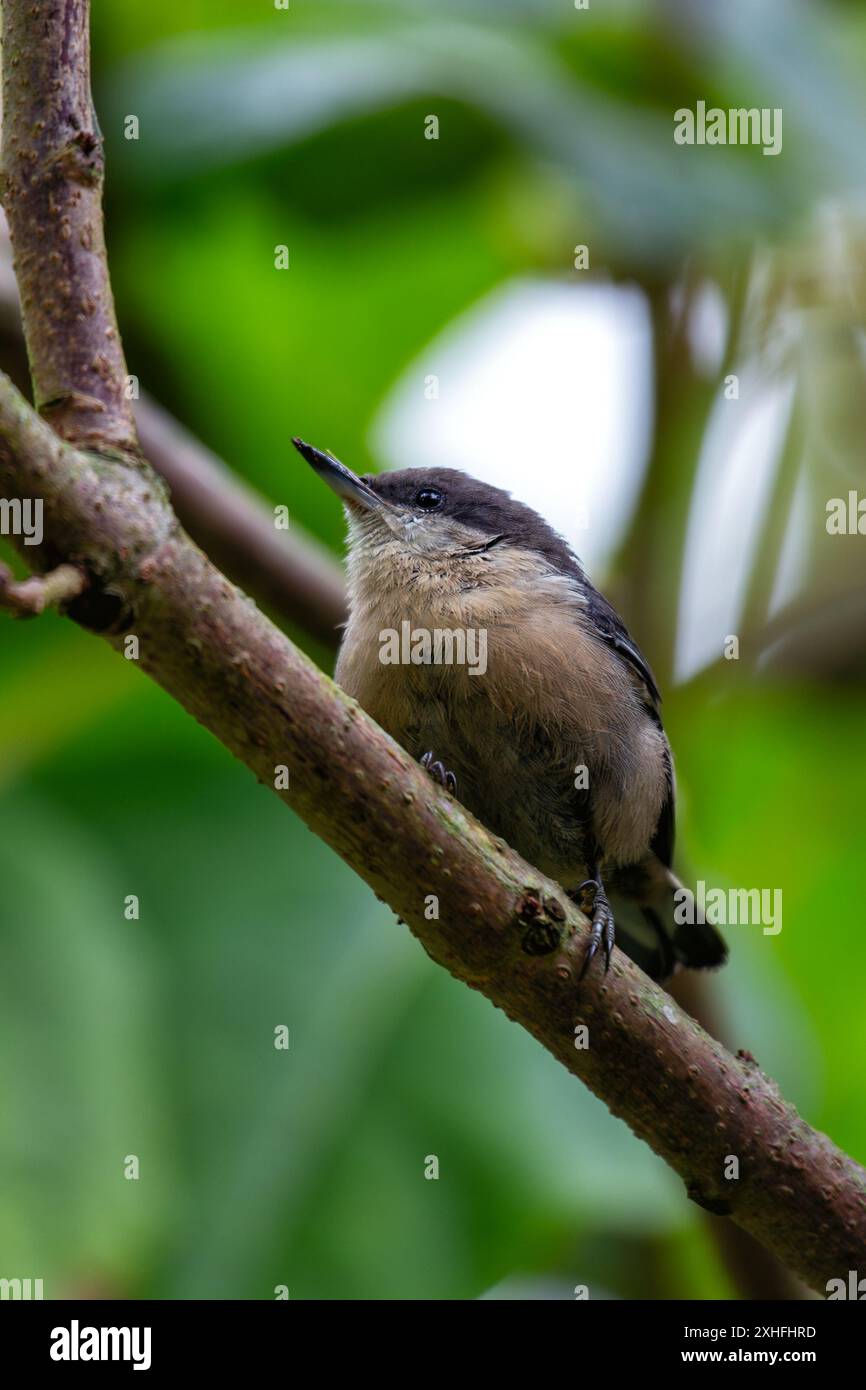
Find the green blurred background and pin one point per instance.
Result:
(305, 127)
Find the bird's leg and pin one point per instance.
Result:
(602, 933)
(439, 773)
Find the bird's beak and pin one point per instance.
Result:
(339, 478)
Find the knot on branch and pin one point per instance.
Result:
(101, 610)
(716, 1206)
(80, 159)
(543, 917)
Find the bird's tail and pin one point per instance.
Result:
(647, 913)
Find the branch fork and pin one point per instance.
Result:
(28, 598)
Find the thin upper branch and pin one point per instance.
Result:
(287, 571)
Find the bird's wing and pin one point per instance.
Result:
(662, 844)
(613, 631)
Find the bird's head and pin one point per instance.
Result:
(434, 512)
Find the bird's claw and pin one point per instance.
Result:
(439, 772)
(602, 933)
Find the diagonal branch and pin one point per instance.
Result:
(501, 927)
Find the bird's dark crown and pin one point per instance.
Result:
(490, 510)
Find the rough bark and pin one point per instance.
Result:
(52, 191)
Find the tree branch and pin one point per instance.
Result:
(291, 573)
(52, 178)
(502, 927)
(30, 597)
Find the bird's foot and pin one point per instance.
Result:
(602, 933)
(439, 773)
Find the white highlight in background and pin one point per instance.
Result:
(740, 456)
(544, 389)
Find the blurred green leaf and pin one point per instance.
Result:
(650, 196)
(80, 1087)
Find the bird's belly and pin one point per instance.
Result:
(556, 789)
(516, 783)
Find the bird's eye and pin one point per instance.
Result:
(429, 498)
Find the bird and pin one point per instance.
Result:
(552, 734)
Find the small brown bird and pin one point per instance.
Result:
(476, 640)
